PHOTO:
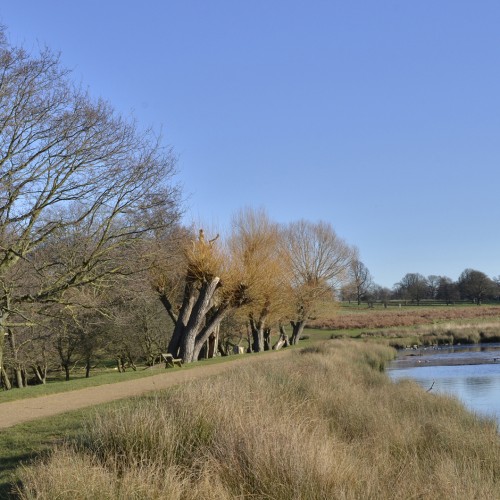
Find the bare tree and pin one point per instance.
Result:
(383, 294)
(475, 285)
(320, 262)
(139, 329)
(414, 287)
(433, 285)
(69, 167)
(447, 290)
(360, 279)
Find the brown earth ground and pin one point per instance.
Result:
(25, 410)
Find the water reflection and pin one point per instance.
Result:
(470, 373)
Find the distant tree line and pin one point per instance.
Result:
(471, 286)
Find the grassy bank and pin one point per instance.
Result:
(324, 423)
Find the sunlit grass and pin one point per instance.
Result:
(325, 422)
(102, 378)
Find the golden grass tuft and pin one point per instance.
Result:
(325, 422)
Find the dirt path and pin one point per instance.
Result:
(25, 410)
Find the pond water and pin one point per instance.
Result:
(471, 373)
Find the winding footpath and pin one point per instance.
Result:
(25, 410)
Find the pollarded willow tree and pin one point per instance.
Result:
(320, 262)
(257, 249)
(78, 184)
(208, 279)
(198, 286)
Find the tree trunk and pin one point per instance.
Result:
(180, 321)
(267, 339)
(283, 339)
(131, 361)
(66, 371)
(188, 348)
(297, 329)
(257, 339)
(19, 377)
(87, 369)
(191, 345)
(3, 374)
(212, 343)
(212, 327)
(258, 328)
(3, 333)
(40, 375)
(5, 379)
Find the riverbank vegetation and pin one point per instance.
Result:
(325, 422)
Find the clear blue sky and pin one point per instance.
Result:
(381, 117)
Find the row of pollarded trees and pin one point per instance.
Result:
(267, 274)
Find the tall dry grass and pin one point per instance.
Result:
(325, 423)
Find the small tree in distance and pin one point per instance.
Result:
(360, 279)
(447, 290)
(475, 285)
(413, 287)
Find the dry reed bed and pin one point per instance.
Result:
(325, 423)
(402, 318)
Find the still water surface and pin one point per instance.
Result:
(470, 373)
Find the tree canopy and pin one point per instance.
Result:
(79, 186)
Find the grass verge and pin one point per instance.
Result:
(103, 378)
